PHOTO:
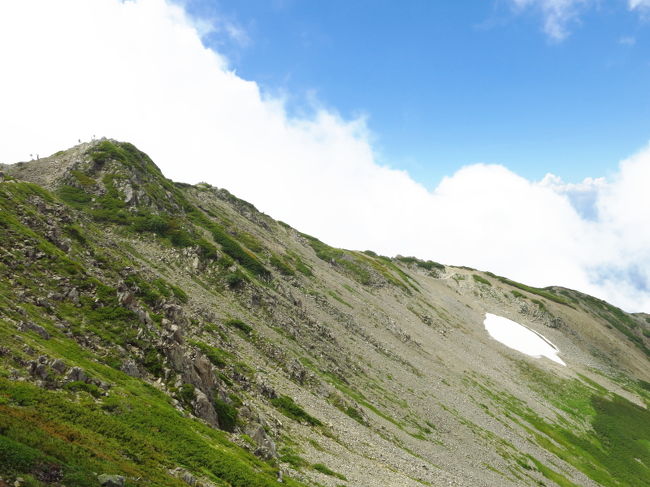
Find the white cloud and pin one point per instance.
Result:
(137, 71)
(627, 41)
(638, 4)
(557, 14)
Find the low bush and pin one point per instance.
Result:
(289, 408)
(227, 415)
(481, 280)
(319, 467)
(240, 325)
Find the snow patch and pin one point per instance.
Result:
(520, 338)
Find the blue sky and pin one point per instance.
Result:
(445, 84)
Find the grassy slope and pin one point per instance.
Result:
(71, 434)
(77, 431)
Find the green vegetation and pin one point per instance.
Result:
(619, 320)
(338, 298)
(319, 467)
(227, 415)
(187, 394)
(289, 408)
(290, 456)
(300, 266)
(481, 280)
(282, 265)
(428, 265)
(545, 293)
(77, 386)
(230, 246)
(354, 414)
(341, 258)
(616, 452)
(138, 434)
(239, 325)
(218, 357)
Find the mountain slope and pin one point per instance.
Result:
(157, 331)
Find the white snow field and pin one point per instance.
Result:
(520, 338)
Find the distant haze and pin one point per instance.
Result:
(138, 71)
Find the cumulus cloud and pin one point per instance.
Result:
(137, 71)
(557, 14)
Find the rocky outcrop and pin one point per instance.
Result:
(111, 480)
(204, 409)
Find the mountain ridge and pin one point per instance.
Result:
(324, 366)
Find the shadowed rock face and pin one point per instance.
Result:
(138, 317)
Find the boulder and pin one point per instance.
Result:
(31, 326)
(129, 367)
(59, 366)
(111, 480)
(76, 375)
(204, 409)
(265, 446)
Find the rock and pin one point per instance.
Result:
(73, 295)
(265, 446)
(204, 409)
(127, 299)
(203, 368)
(129, 367)
(267, 391)
(174, 334)
(176, 314)
(143, 316)
(76, 375)
(185, 476)
(111, 480)
(59, 366)
(297, 372)
(128, 193)
(188, 478)
(31, 326)
(38, 369)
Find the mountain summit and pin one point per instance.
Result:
(154, 333)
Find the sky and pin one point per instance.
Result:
(507, 135)
(446, 83)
